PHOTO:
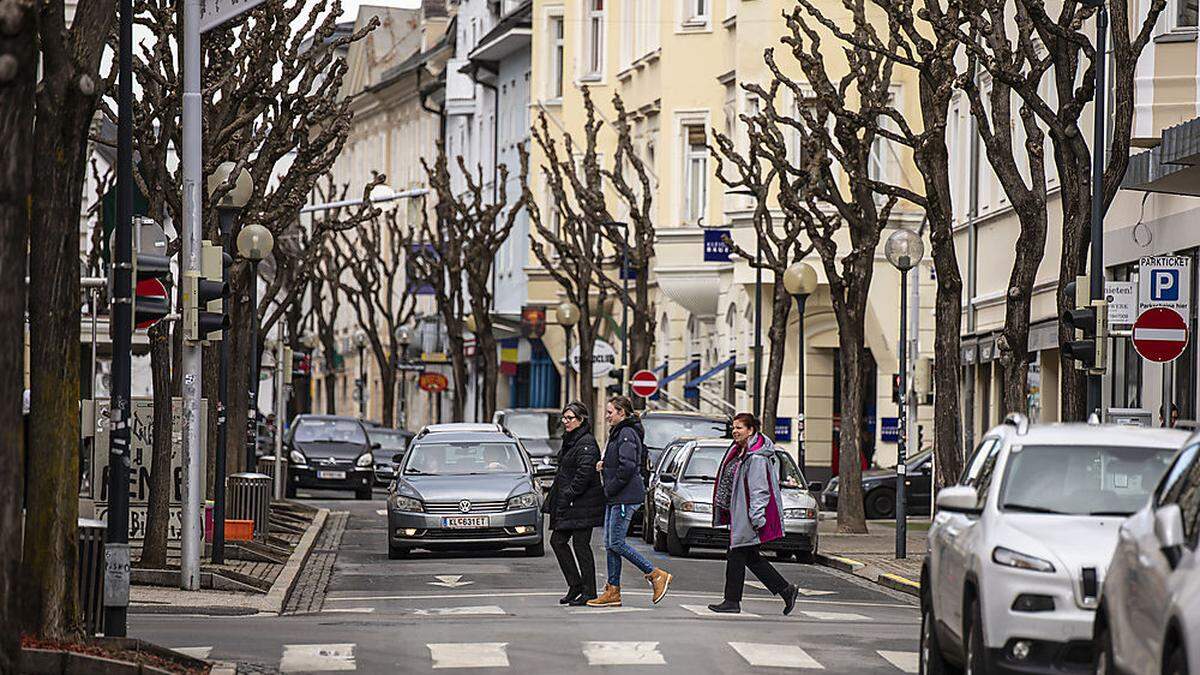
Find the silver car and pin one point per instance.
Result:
(683, 504)
(464, 486)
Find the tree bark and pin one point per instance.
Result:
(158, 515)
(16, 177)
(851, 515)
(781, 306)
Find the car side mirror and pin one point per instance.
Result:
(959, 499)
(816, 486)
(1168, 527)
(376, 446)
(398, 458)
(666, 478)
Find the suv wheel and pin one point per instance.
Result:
(1104, 652)
(1176, 662)
(931, 661)
(289, 491)
(537, 550)
(976, 651)
(362, 494)
(397, 552)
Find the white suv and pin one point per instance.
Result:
(1018, 550)
(1149, 617)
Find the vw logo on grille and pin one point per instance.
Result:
(464, 505)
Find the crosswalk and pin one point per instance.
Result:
(316, 658)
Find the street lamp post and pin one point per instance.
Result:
(800, 280)
(624, 272)
(254, 243)
(360, 341)
(568, 316)
(227, 211)
(403, 339)
(904, 250)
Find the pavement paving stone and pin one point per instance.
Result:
(873, 555)
(308, 595)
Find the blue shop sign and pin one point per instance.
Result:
(715, 248)
(889, 432)
(783, 429)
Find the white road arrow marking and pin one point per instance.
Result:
(485, 610)
(807, 592)
(450, 581)
(906, 661)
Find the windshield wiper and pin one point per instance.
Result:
(1123, 514)
(416, 472)
(1029, 508)
(712, 478)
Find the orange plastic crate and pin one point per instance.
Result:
(239, 530)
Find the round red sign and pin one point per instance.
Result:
(151, 292)
(433, 382)
(1160, 334)
(644, 383)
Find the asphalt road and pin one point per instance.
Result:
(499, 611)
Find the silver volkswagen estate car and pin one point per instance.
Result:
(464, 486)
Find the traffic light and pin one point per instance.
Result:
(203, 298)
(301, 364)
(895, 387)
(286, 363)
(1091, 318)
(618, 387)
(151, 273)
(739, 376)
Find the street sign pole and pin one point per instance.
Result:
(1095, 377)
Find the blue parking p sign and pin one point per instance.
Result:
(1165, 281)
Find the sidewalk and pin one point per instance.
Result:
(872, 556)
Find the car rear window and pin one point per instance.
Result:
(1082, 480)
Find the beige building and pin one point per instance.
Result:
(679, 65)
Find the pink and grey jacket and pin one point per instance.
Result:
(755, 514)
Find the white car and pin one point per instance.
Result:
(1149, 617)
(1018, 550)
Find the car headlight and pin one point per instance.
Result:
(365, 460)
(1011, 558)
(799, 514)
(297, 457)
(696, 507)
(402, 503)
(525, 501)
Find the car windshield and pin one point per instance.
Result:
(1082, 480)
(463, 458)
(533, 424)
(918, 460)
(660, 431)
(329, 431)
(390, 441)
(704, 463)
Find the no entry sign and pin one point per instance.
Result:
(644, 383)
(1160, 334)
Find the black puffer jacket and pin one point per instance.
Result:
(623, 456)
(576, 500)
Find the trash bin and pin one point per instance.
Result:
(266, 466)
(249, 498)
(91, 574)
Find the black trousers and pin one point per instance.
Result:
(581, 578)
(736, 562)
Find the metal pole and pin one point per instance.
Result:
(116, 538)
(567, 367)
(801, 301)
(1095, 377)
(758, 326)
(362, 386)
(280, 409)
(255, 369)
(625, 306)
(226, 217)
(901, 469)
(191, 542)
(911, 427)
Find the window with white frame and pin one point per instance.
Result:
(696, 13)
(800, 107)
(594, 38)
(557, 28)
(651, 15)
(629, 36)
(884, 161)
(695, 174)
(1184, 14)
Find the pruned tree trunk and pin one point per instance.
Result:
(16, 177)
(777, 337)
(158, 515)
(851, 514)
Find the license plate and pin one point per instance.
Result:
(331, 475)
(465, 522)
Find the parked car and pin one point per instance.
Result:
(540, 431)
(464, 486)
(329, 453)
(1018, 550)
(879, 488)
(683, 504)
(664, 459)
(1148, 622)
(664, 426)
(391, 442)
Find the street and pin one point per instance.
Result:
(500, 610)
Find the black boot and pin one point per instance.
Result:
(789, 598)
(572, 595)
(581, 600)
(726, 607)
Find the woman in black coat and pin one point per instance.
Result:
(575, 505)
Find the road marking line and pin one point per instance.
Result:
(450, 581)
(756, 584)
(605, 610)
(310, 658)
(469, 654)
(484, 610)
(803, 591)
(906, 661)
(835, 616)
(194, 652)
(623, 654)
(700, 610)
(556, 594)
(381, 512)
(348, 610)
(762, 655)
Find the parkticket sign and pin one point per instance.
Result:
(1165, 281)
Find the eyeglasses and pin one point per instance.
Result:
(569, 418)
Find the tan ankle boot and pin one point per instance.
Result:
(659, 580)
(611, 597)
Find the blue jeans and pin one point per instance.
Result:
(616, 524)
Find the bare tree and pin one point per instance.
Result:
(18, 80)
(372, 265)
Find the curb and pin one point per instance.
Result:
(282, 588)
(859, 569)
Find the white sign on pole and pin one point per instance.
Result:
(213, 13)
(1122, 301)
(1165, 281)
(604, 359)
